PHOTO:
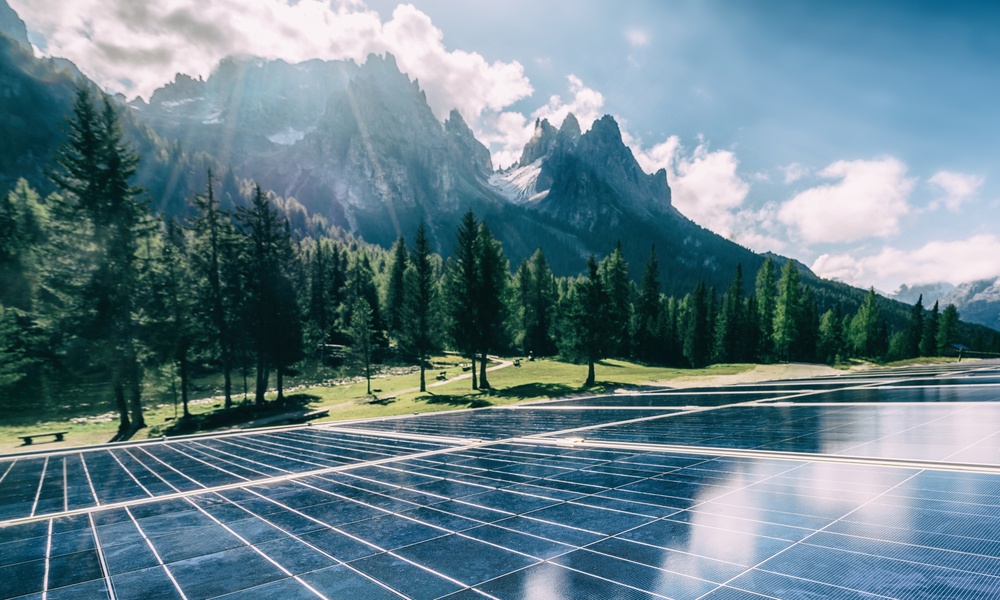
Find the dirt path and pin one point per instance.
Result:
(758, 373)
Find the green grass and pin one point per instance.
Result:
(533, 380)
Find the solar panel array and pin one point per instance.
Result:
(837, 487)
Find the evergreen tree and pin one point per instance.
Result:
(864, 331)
(542, 304)
(462, 288)
(212, 233)
(647, 311)
(275, 326)
(395, 297)
(525, 293)
(697, 341)
(947, 333)
(614, 276)
(419, 326)
(830, 337)
(93, 169)
(491, 296)
(765, 290)
(928, 342)
(787, 312)
(589, 319)
(808, 337)
(171, 303)
(914, 330)
(362, 337)
(729, 327)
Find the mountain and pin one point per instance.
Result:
(931, 293)
(359, 147)
(13, 27)
(976, 301)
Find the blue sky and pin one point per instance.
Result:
(858, 137)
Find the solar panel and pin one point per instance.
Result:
(391, 509)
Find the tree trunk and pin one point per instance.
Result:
(261, 389)
(475, 382)
(423, 383)
(184, 385)
(281, 383)
(227, 386)
(135, 388)
(590, 373)
(483, 383)
(368, 377)
(119, 391)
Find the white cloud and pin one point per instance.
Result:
(868, 200)
(586, 105)
(636, 37)
(953, 261)
(958, 188)
(794, 172)
(135, 47)
(705, 184)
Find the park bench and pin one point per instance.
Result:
(57, 434)
(442, 376)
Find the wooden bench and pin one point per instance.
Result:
(57, 434)
(442, 376)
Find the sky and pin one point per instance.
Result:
(857, 137)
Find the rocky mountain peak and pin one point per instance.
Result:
(539, 144)
(570, 128)
(12, 26)
(465, 144)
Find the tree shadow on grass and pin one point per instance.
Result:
(536, 390)
(294, 405)
(463, 401)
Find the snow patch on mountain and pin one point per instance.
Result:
(519, 185)
(288, 137)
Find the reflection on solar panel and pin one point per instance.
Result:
(320, 512)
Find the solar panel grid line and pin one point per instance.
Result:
(152, 549)
(773, 454)
(804, 540)
(283, 444)
(262, 553)
(147, 469)
(348, 534)
(105, 572)
(832, 585)
(894, 433)
(920, 546)
(664, 518)
(213, 453)
(263, 481)
(38, 494)
(375, 439)
(130, 474)
(172, 468)
(48, 557)
(269, 453)
(65, 486)
(207, 464)
(90, 482)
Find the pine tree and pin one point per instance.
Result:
(395, 297)
(275, 326)
(362, 337)
(830, 337)
(614, 275)
(491, 296)
(864, 331)
(647, 310)
(697, 341)
(589, 319)
(94, 168)
(765, 289)
(420, 311)
(928, 342)
(787, 312)
(542, 303)
(729, 327)
(914, 330)
(462, 285)
(947, 333)
(212, 233)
